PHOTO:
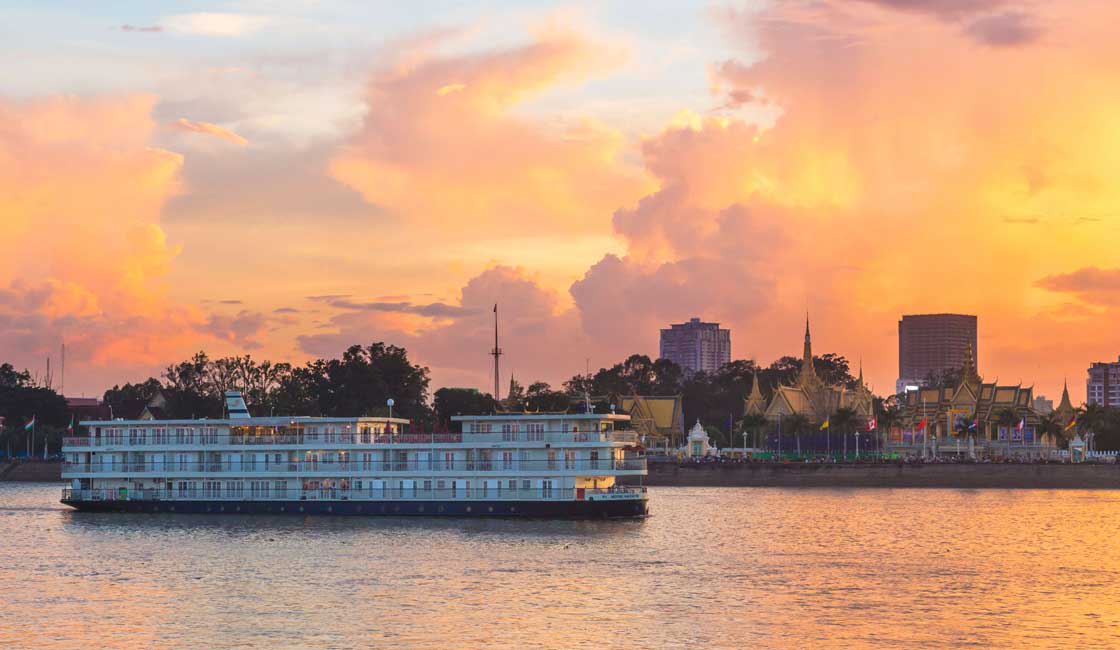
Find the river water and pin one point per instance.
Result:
(712, 568)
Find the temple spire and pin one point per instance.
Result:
(1065, 404)
(969, 369)
(755, 403)
(808, 372)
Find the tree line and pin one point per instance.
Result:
(360, 382)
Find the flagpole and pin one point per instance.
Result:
(779, 437)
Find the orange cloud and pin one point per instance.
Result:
(444, 149)
(923, 159)
(82, 192)
(921, 171)
(206, 128)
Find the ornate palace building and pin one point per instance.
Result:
(970, 417)
(810, 395)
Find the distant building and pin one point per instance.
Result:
(696, 346)
(88, 408)
(930, 345)
(1043, 405)
(1103, 386)
(659, 420)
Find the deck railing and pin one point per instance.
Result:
(417, 493)
(150, 439)
(354, 466)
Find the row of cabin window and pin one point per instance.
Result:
(279, 489)
(533, 427)
(184, 460)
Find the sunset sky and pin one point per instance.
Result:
(287, 178)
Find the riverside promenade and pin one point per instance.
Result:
(1085, 476)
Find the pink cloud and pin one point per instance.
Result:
(1007, 29)
(1092, 284)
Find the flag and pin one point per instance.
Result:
(1022, 423)
(922, 425)
(872, 424)
(1072, 423)
(972, 426)
(824, 425)
(30, 424)
(70, 428)
(495, 308)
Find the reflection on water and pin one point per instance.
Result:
(714, 567)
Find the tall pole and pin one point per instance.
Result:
(497, 352)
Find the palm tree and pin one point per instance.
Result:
(963, 427)
(1007, 418)
(1050, 426)
(844, 419)
(797, 423)
(886, 419)
(1090, 421)
(753, 423)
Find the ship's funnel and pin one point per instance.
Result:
(235, 405)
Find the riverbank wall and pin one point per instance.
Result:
(810, 475)
(38, 472)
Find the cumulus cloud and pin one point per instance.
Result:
(205, 128)
(87, 258)
(885, 186)
(443, 148)
(890, 165)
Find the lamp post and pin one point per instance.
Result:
(389, 424)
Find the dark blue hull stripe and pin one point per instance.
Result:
(627, 508)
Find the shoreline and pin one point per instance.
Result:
(31, 472)
(1084, 476)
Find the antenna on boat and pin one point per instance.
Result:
(497, 352)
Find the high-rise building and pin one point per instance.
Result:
(930, 345)
(696, 346)
(1103, 386)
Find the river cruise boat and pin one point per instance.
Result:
(507, 465)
